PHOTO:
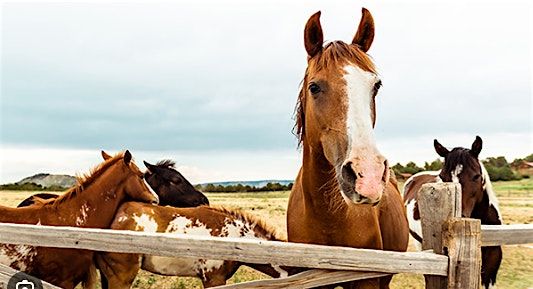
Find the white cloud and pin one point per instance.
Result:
(214, 88)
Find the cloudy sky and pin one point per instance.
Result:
(213, 84)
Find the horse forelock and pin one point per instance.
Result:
(334, 54)
(458, 157)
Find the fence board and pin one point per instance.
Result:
(307, 279)
(437, 202)
(252, 251)
(496, 235)
(6, 273)
(462, 240)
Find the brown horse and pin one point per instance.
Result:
(478, 200)
(119, 270)
(91, 204)
(344, 194)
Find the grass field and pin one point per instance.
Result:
(516, 203)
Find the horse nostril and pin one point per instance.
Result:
(348, 173)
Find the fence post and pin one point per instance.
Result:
(462, 243)
(437, 202)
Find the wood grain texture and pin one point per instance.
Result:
(252, 251)
(462, 241)
(437, 202)
(307, 279)
(6, 273)
(497, 235)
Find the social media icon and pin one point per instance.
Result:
(25, 284)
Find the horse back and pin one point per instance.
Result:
(415, 182)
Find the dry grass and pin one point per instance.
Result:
(516, 202)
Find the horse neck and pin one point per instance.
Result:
(95, 205)
(321, 190)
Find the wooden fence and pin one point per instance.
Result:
(452, 256)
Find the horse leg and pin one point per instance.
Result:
(384, 282)
(212, 282)
(491, 258)
(218, 277)
(118, 270)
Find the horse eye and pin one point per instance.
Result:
(476, 177)
(314, 88)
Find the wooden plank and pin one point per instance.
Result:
(437, 202)
(497, 235)
(307, 279)
(251, 251)
(6, 273)
(462, 241)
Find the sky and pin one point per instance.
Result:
(213, 84)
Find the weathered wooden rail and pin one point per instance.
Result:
(454, 263)
(246, 250)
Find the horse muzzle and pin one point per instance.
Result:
(363, 184)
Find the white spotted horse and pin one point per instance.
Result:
(479, 201)
(119, 270)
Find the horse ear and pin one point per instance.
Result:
(313, 36)
(105, 155)
(440, 149)
(127, 157)
(149, 166)
(365, 33)
(476, 147)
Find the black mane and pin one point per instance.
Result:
(166, 164)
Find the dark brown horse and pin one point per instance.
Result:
(172, 188)
(478, 200)
(119, 270)
(91, 204)
(344, 194)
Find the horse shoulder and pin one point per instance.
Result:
(296, 230)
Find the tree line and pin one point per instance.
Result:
(270, 187)
(498, 168)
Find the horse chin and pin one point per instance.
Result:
(355, 198)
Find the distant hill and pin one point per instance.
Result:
(66, 181)
(257, 184)
(49, 180)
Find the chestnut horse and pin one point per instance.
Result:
(172, 188)
(344, 194)
(118, 271)
(478, 200)
(91, 204)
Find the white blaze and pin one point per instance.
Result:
(456, 172)
(359, 86)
